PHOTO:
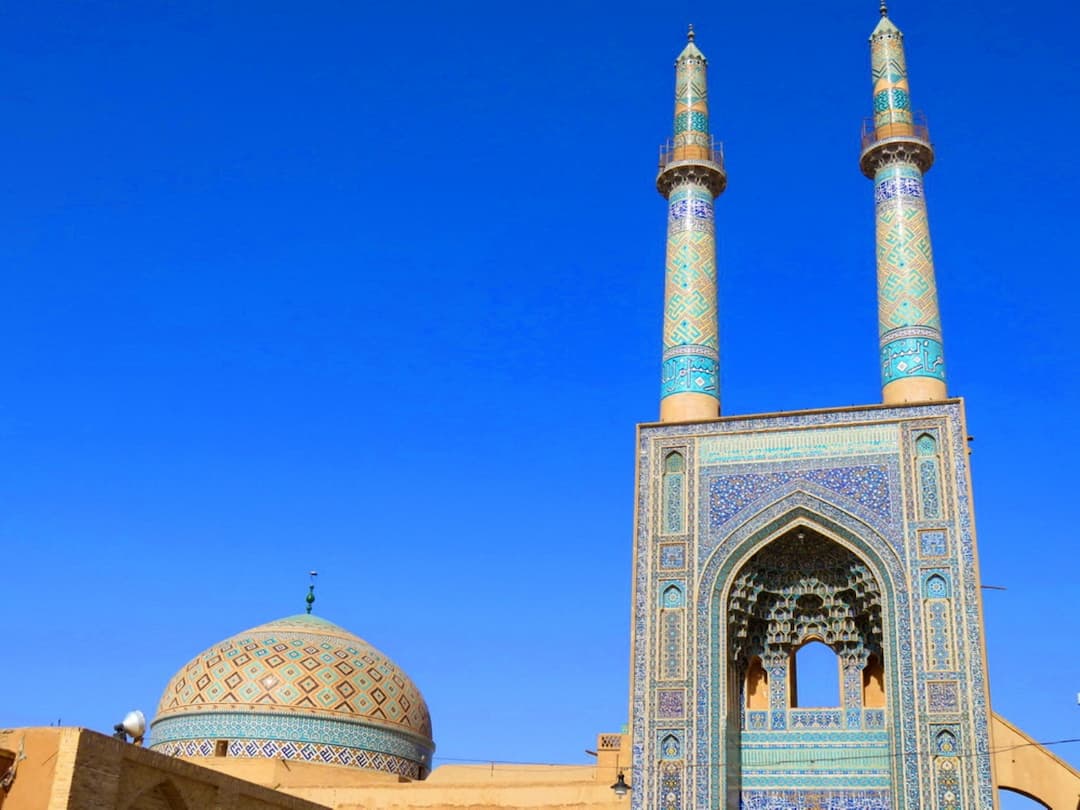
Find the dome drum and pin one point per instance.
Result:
(284, 736)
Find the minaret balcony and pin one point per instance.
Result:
(896, 141)
(711, 152)
(694, 162)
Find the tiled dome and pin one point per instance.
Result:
(297, 688)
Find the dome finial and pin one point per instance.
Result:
(690, 33)
(310, 598)
(884, 8)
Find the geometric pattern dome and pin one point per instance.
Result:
(297, 688)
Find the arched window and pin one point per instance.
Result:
(873, 683)
(936, 587)
(815, 676)
(669, 747)
(945, 744)
(672, 602)
(928, 472)
(946, 767)
(757, 685)
(672, 597)
(673, 486)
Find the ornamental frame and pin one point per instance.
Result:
(887, 536)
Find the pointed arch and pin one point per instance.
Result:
(802, 506)
(672, 596)
(674, 462)
(928, 476)
(871, 538)
(945, 743)
(873, 685)
(757, 685)
(670, 747)
(1024, 767)
(162, 796)
(926, 445)
(936, 586)
(673, 494)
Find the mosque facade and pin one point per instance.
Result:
(755, 538)
(852, 528)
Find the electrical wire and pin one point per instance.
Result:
(825, 760)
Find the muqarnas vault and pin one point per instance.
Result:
(852, 528)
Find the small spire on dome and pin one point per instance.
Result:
(884, 8)
(310, 598)
(690, 33)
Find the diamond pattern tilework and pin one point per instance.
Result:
(908, 320)
(691, 97)
(691, 346)
(690, 314)
(297, 682)
(892, 104)
(905, 256)
(337, 670)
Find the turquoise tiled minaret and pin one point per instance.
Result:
(896, 153)
(691, 176)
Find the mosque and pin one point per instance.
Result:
(756, 537)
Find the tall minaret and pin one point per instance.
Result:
(896, 153)
(691, 176)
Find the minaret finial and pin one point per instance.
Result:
(884, 9)
(690, 33)
(310, 598)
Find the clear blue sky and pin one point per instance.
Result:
(375, 288)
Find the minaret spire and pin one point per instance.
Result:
(691, 176)
(896, 154)
(310, 598)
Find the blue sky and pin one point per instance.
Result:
(376, 289)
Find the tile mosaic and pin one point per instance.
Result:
(297, 682)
